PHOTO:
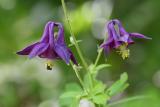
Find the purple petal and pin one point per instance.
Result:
(110, 37)
(124, 38)
(116, 44)
(107, 49)
(45, 36)
(130, 41)
(27, 50)
(38, 49)
(60, 36)
(51, 34)
(49, 53)
(109, 41)
(122, 31)
(112, 31)
(63, 53)
(138, 35)
(73, 59)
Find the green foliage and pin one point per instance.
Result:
(95, 69)
(71, 95)
(73, 87)
(119, 85)
(96, 89)
(88, 81)
(98, 93)
(100, 98)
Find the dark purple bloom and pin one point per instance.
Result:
(119, 38)
(51, 46)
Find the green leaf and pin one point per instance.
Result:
(100, 98)
(66, 101)
(88, 81)
(102, 66)
(70, 98)
(72, 94)
(119, 85)
(123, 77)
(73, 87)
(94, 70)
(75, 102)
(98, 88)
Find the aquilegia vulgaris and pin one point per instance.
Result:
(119, 38)
(51, 46)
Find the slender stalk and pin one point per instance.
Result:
(98, 57)
(127, 100)
(73, 36)
(85, 65)
(99, 53)
(78, 76)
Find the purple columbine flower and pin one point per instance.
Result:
(119, 39)
(51, 46)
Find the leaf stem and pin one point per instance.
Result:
(73, 36)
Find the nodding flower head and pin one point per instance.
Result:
(51, 46)
(119, 38)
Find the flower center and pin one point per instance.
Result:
(123, 51)
(49, 65)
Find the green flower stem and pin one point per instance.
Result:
(73, 36)
(98, 56)
(99, 53)
(77, 47)
(78, 76)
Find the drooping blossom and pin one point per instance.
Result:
(51, 46)
(119, 38)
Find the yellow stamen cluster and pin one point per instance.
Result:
(49, 65)
(123, 51)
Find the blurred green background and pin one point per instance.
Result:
(26, 83)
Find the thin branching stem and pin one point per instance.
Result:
(73, 36)
(78, 76)
(128, 99)
(85, 65)
(99, 53)
(98, 56)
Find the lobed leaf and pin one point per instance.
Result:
(100, 98)
(119, 85)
